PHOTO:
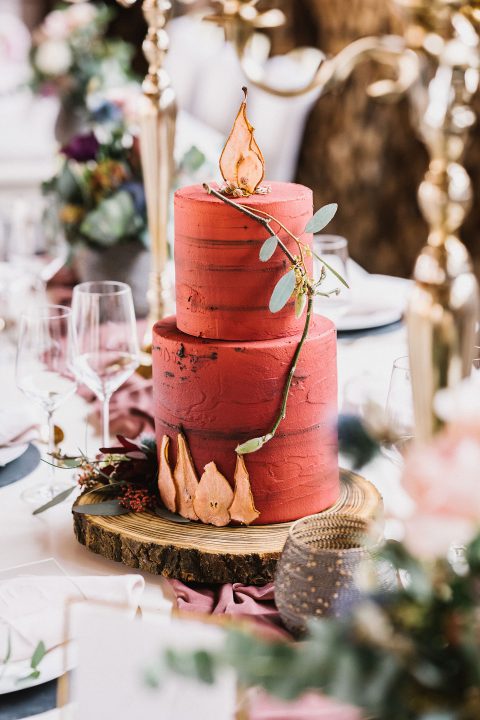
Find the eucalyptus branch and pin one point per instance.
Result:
(266, 224)
(251, 214)
(304, 287)
(301, 246)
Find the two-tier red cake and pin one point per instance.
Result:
(220, 364)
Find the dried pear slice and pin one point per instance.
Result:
(241, 162)
(166, 484)
(213, 497)
(185, 479)
(243, 508)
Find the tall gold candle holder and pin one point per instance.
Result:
(157, 134)
(436, 62)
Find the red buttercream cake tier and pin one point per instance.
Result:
(222, 287)
(221, 393)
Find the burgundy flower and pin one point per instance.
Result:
(82, 147)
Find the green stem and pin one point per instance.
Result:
(257, 443)
(293, 367)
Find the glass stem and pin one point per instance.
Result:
(106, 421)
(51, 444)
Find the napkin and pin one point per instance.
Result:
(32, 608)
(311, 706)
(243, 601)
(18, 426)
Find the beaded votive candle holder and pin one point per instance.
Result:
(315, 576)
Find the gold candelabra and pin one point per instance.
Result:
(157, 133)
(436, 62)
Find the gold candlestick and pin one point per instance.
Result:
(157, 134)
(437, 63)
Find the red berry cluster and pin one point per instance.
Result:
(136, 499)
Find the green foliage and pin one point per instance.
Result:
(109, 508)
(268, 248)
(37, 657)
(54, 501)
(300, 304)
(252, 445)
(112, 219)
(282, 291)
(332, 270)
(412, 653)
(355, 441)
(96, 61)
(321, 218)
(192, 161)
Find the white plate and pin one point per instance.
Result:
(9, 454)
(53, 665)
(378, 300)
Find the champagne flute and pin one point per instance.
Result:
(106, 343)
(399, 410)
(44, 374)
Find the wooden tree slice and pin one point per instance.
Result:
(201, 553)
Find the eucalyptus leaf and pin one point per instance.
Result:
(173, 517)
(34, 675)
(109, 508)
(321, 218)
(282, 291)
(38, 655)
(252, 445)
(268, 248)
(55, 501)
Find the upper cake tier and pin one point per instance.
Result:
(222, 287)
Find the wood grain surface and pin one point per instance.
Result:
(202, 553)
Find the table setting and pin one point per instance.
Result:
(238, 470)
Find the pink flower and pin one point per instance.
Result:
(55, 25)
(443, 480)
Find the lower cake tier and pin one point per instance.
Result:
(221, 393)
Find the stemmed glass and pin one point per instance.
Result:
(44, 373)
(106, 343)
(334, 250)
(399, 410)
(37, 240)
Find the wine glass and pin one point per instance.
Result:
(399, 410)
(44, 374)
(334, 250)
(37, 240)
(106, 343)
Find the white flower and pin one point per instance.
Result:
(53, 58)
(81, 14)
